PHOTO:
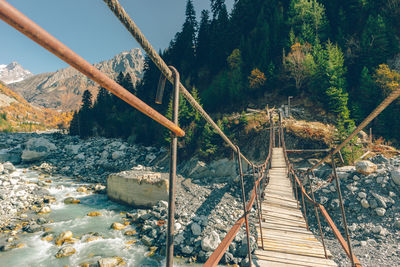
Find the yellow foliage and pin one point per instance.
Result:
(256, 79)
(388, 79)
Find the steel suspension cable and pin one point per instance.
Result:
(386, 102)
(130, 25)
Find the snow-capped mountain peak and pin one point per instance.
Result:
(13, 73)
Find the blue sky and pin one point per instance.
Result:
(90, 29)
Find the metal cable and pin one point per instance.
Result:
(121, 14)
(386, 102)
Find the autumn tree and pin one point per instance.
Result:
(299, 64)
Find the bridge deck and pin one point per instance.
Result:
(287, 242)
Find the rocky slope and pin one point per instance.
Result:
(13, 73)
(19, 115)
(63, 89)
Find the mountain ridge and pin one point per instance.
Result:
(13, 72)
(63, 89)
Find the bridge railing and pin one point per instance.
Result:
(298, 185)
(27, 27)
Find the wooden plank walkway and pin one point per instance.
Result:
(287, 242)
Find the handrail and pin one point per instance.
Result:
(328, 219)
(27, 27)
(223, 246)
(130, 25)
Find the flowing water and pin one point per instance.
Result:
(63, 217)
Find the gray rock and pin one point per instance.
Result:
(397, 224)
(363, 243)
(196, 229)
(380, 211)
(395, 174)
(365, 167)
(373, 203)
(362, 194)
(364, 203)
(9, 166)
(377, 229)
(117, 155)
(210, 242)
(37, 149)
(187, 250)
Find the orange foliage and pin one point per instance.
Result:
(256, 79)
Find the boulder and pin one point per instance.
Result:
(210, 242)
(395, 174)
(138, 188)
(37, 149)
(365, 167)
(1, 168)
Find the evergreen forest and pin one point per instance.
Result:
(339, 54)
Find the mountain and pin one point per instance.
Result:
(13, 73)
(63, 89)
(17, 115)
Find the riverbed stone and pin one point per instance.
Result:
(210, 242)
(380, 211)
(111, 262)
(395, 174)
(64, 236)
(65, 252)
(118, 226)
(364, 203)
(138, 188)
(94, 214)
(196, 229)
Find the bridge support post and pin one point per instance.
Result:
(316, 213)
(258, 203)
(172, 175)
(244, 205)
(342, 209)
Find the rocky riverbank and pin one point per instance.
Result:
(208, 199)
(371, 193)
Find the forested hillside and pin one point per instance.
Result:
(336, 53)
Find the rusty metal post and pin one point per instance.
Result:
(316, 214)
(342, 209)
(304, 206)
(244, 204)
(258, 206)
(172, 175)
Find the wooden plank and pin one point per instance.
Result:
(312, 252)
(293, 259)
(289, 238)
(284, 228)
(291, 244)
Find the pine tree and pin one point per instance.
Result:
(337, 96)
